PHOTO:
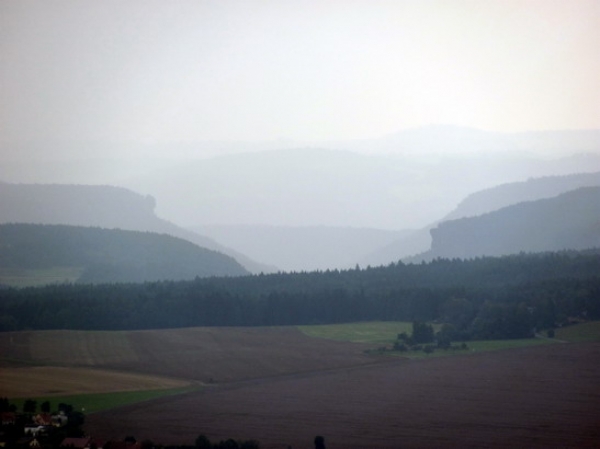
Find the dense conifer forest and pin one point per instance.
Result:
(483, 298)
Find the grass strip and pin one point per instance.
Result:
(384, 334)
(96, 402)
(376, 332)
(582, 332)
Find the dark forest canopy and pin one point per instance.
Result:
(503, 297)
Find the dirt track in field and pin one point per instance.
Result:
(539, 397)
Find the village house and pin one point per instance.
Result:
(9, 418)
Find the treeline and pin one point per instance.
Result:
(503, 297)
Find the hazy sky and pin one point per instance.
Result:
(182, 71)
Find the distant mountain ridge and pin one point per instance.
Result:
(405, 180)
(101, 255)
(569, 221)
(101, 206)
(480, 202)
(504, 195)
(460, 139)
(336, 188)
(303, 186)
(319, 247)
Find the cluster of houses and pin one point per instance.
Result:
(39, 431)
(27, 431)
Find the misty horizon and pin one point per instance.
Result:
(160, 72)
(379, 115)
(374, 221)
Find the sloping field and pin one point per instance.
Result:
(539, 397)
(282, 387)
(196, 354)
(43, 381)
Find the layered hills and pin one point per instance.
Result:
(570, 220)
(481, 202)
(98, 206)
(321, 186)
(305, 248)
(32, 253)
(503, 195)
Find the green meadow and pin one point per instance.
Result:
(90, 403)
(589, 331)
(384, 333)
(376, 332)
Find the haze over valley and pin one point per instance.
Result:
(265, 224)
(236, 119)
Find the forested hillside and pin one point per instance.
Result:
(503, 297)
(568, 221)
(98, 206)
(103, 255)
(478, 203)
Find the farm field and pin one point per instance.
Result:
(95, 402)
(375, 332)
(284, 385)
(48, 381)
(537, 397)
(214, 355)
(589, 331)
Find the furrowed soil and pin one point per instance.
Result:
(539, 397)
(200, 354)
(41, 360)
(282, 387)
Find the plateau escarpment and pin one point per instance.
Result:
(568, 221)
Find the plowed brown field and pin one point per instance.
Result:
(538, 397)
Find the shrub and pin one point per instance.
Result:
(422, 332)
(400, 347)
(227, 444)
(202, 442)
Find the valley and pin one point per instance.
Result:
(245, 225)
